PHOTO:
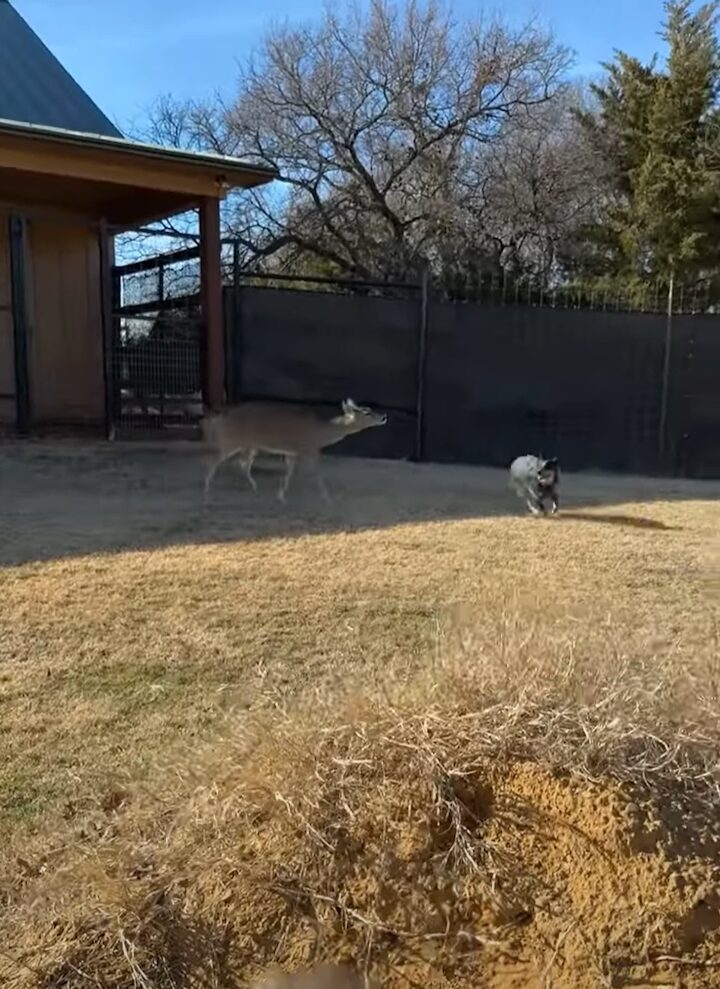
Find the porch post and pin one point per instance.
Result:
(107, 251)
(213, 346)
(19, 290)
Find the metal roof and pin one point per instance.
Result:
(100, 142)
(34, 86)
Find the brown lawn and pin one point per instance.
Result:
(136, 628)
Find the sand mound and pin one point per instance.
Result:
(423, 850)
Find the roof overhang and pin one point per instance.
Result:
(124, 183)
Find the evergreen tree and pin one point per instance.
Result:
(658, 133)
(675, 190)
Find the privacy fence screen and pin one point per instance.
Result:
(481, 382)
(475, 381)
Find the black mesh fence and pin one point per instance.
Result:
(470, 367)
(476, 369)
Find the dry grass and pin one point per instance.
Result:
(455, 747)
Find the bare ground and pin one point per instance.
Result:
(454, 746)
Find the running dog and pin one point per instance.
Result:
(536, 480)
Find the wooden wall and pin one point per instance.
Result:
(7, 359)
(65, 347)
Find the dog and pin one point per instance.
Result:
(536, 480)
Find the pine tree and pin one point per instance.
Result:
(619, 129)
(674, 188)
(658, 133)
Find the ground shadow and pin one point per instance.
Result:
(66, 499)
(624, 521)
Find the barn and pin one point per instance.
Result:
(69, 183)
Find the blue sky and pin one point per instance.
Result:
(125, 52)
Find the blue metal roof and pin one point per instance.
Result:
(34, 86)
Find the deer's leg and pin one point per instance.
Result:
(290, 464)
(247, 466)
(222, 459)
(322, 486)
(211, 474)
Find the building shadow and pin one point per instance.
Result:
(71, 499)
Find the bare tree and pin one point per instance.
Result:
(543, 181)
(372, 119)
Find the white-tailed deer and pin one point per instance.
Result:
(290, 431)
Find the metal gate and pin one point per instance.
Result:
(156, 348)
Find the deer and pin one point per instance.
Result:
(287, 430)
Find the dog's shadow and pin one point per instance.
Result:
(627, 521)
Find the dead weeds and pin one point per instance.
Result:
(455, 833)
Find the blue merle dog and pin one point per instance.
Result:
(536, 481)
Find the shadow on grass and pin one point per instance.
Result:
(624, 521)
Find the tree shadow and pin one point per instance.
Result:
(68, 499)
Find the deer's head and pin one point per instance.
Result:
(360, 416)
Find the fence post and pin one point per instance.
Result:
(421, 370)
(233, 331)
(116, 342)
(665, 387)
(160, 354)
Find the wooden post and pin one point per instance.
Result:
(213, 347)
(21, 328)
(107, 322)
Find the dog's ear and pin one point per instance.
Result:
(553, 462)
